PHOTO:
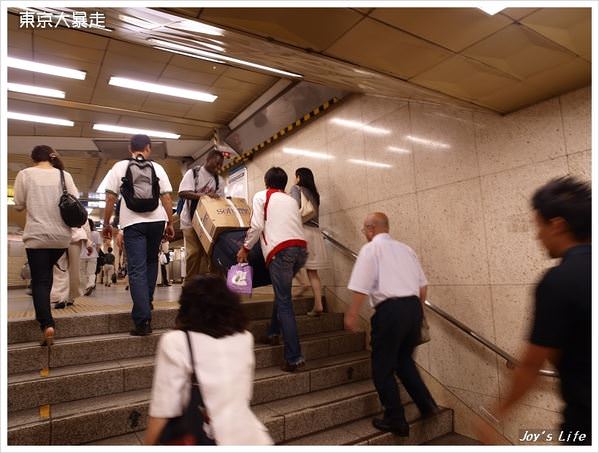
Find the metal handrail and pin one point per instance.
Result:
(510, 361)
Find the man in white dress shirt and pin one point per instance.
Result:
(389, 273)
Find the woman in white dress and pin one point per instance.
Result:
(223, 360)
(317, 253)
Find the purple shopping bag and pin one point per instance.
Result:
(239, 278)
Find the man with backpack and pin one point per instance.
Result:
(145, 217)
(197, 182)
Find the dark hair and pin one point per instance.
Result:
(44, 153)
(214, 153)
(569, 198)
(209, 307)
(275, 178)
(306, 179)
(92, 225)
(139, 142)
(109, 249)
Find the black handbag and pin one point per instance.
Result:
(188, 428)
(73, 213)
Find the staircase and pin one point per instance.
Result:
(93, 385)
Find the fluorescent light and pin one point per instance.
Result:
(205, 53)
(43, 68)
(425, 141)
(161, 89)
(187, 54)
(307, 153)
(491, 8)
(30, 89)
(395, 149)
(183, 48)
(369, 163)
(358, 125)
(133, 131)
(139, 22)
(39, 119)
(198, 27)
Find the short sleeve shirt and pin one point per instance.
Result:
(127, 216)
(387, 268)
(563, 321)
(204, 183)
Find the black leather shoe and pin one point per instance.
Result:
(431, 412)
(399, 429)
(272, 340)
(60, 305)
(292, 367)
(141, 330)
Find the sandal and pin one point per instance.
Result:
(48, 336)
(315, 313)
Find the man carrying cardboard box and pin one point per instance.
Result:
(277, 224)
(197, 182)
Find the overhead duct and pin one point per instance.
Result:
(285, 110)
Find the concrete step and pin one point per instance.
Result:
(76, 325)
(63, 384)
(93, 419)
(453, 439)
(361, 432)
(24, 357)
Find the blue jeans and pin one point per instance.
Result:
(142, 243)
(282, 268)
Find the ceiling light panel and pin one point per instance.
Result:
(43, 68)
(197, 27)
(491, 8)
(133, 131)
(31, 89)
(187, 54)
(205, 53)
(39, 119)
(184, 48)
(162, 89)
(307, 153)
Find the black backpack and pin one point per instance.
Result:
(140, 188)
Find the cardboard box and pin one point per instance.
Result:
(215, 215)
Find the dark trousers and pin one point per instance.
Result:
(164, 274)
(142, 242)
(41, 263)
(395, 331)
(282, 268)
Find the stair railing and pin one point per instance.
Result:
(510, 361)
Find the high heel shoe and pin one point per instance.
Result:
(48, 336)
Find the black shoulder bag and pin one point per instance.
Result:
(73, 213)
(188, 428)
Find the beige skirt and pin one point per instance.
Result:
(317, 252)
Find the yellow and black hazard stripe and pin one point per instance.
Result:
(246, 155)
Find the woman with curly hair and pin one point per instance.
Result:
(222, 356)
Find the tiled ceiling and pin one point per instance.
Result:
(547, 50)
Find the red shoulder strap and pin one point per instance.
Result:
(269, 192)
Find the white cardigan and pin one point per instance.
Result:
(225, 371)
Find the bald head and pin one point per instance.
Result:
(375, 223)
